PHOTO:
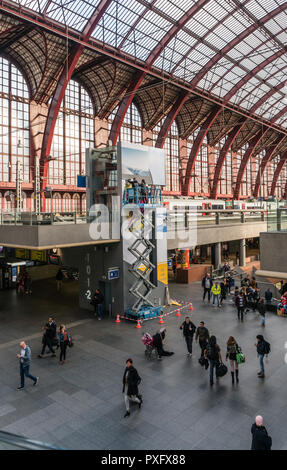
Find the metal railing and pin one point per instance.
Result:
(186, 218)
(9, 441)
(44, 218)
(176, 219)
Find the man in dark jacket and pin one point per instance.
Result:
(189, 329)
(49, 336)
(207, 285)
(202, 334)
(97, 302)
(262, 310)
(263, 349)
(268, 296)
(131, 380)
(240, 302)
(260, 438)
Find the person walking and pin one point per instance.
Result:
(207, 285)
(59, 279)
(268, 296)
(25, 363)
(229, 283)
(262, 310)
(231, 351)
(158, 339)
(223, 288)
(263, 348)
(202, 334)
(174, 266)
(64, 342)
(213, 354)
(216, 291)
(97, 302)
(131, 381)
(189, 329)
(240, 302)
(49, 336)
(260, 438)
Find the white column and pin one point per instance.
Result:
(242, 252)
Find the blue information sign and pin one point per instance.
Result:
(81, 181)
(113, 273)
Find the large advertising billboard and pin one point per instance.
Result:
(143, 163)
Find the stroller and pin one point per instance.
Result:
(150, 349)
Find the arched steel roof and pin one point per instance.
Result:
(223, 61)
(234, 49)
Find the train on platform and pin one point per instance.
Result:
(211, 204)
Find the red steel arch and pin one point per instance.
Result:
(139, 76)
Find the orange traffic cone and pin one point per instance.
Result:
(118, 320)
(191, 307)
(161, 319)
(178, 313)
(138, 324)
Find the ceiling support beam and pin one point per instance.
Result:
(247, 155)
(269, 154)
(222, 156)
(196, 147)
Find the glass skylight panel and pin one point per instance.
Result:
(273, 26)
(174, 9)
(257, 10)
(35, 5)
(74, 14)
(282, 37)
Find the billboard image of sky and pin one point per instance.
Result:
(143, 162)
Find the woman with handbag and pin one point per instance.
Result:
(231, 354)
(64, 341)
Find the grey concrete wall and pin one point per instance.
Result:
(207, 235)
(93, 264)
(273, 251)
(45, 236)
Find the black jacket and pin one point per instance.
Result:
(97, 298)
(50, 330)
(261, 308)
(261, 347)
(268, 295)
(133, 381)
(260, 438)
(188, 328)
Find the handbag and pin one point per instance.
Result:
(240, 358)
(221, 369)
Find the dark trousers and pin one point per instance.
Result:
(189, 340)
(202, 344)
(49, 344)
(208, 293)
(25, 372)
(63, 348)
(240, 312)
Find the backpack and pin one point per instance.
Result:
(211, 352)
(267, 347)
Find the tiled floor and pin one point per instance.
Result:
(80, 405)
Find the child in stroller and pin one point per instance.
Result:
(150, 349)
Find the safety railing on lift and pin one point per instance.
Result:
(9, 441)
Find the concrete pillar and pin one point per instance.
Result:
(242, 252)
(217, 255)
